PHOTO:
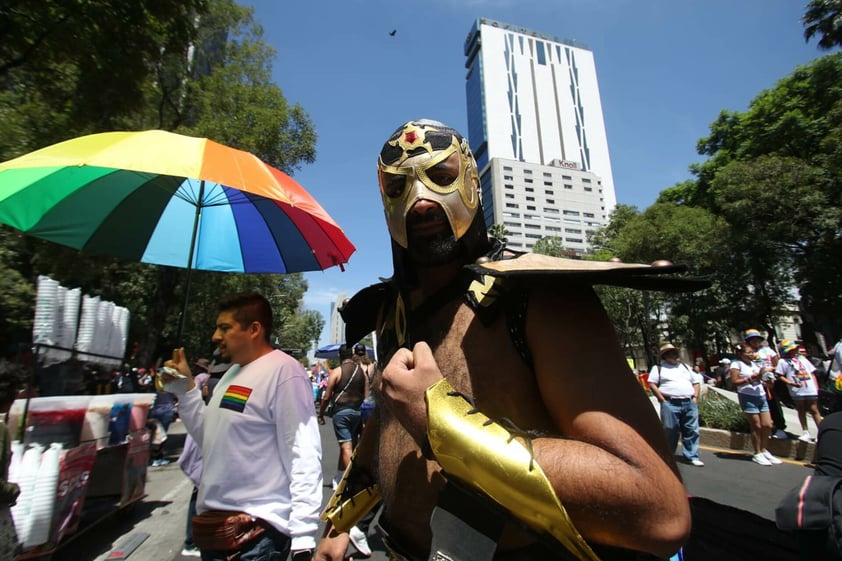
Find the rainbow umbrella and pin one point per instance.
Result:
(168, 199)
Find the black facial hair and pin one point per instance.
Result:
(432, 251)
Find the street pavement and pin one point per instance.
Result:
(728, 477)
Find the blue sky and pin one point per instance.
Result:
(666, 68)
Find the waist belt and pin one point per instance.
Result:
(679, 399)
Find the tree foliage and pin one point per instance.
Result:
(197, 67)
(761, 219)
(824, 18)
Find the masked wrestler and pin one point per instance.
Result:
(489, 388)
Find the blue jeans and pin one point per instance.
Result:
(681, 417)
(191, 512)
(346, 425)
(271, 546)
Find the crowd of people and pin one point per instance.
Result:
(477, 431)
(763, 380)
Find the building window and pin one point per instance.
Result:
(585, 180)
(573, 213)
(548, 183)
(588, 189)
(547, 174)
(511, 215)
(568, 186)
(571, 221)
(512, 205)
(567, 177)
(530, 207)
(553, 229)
(586, 214)
(511, 224)
(510, 195)
(529, 189)
(507, 168)
(508, 186)
(550, 201)
(548, 192)
(532, 226)
(572, 231)
(533, 236)
(508, 177)
(531, 217)
(573, 240)
(530, 199)
(527, 180)
(527, 172)
(551, 210)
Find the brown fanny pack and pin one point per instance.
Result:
(222, 530)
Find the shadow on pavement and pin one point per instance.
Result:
(101, 535)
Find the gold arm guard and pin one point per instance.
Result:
(344, 514)
(489, 460)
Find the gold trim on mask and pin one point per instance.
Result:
(418, 185)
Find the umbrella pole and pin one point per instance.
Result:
(183, 320)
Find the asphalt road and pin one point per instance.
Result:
(727, 477)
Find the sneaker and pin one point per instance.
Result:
(805, 437)
(697, 462)
(360, 541)
(780, 434)
(760, 459)
(772, 459)
(191, 551)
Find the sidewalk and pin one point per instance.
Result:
(791, 448)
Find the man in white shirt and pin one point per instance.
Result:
(677, 388)
(259, 437)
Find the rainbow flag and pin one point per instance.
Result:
(235, 398)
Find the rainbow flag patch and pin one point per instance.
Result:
(235, 398)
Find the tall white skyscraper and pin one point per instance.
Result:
(337, 325)
(536, 129)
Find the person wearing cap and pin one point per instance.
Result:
(766, 359)
(798, 374)
(677, 389)
(720, 373)
(746, 377)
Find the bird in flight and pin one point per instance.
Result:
(392, 32)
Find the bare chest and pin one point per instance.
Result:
(479, 361)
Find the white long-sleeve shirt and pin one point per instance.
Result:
(261, 446)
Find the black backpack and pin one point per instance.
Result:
(813, 512)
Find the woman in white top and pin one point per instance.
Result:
(746, 377)
(798, 374)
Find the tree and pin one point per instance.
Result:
(499, 232)
(681, 234)
(824, 18)
(223, 91)
(774, 174)
(602, 238)
(68, 68)
(552, 246)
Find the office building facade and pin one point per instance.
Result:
(535, 126)
(336, 325)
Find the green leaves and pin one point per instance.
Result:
(200, 67)
(824, 18)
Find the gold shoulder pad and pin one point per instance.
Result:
(488, 459)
